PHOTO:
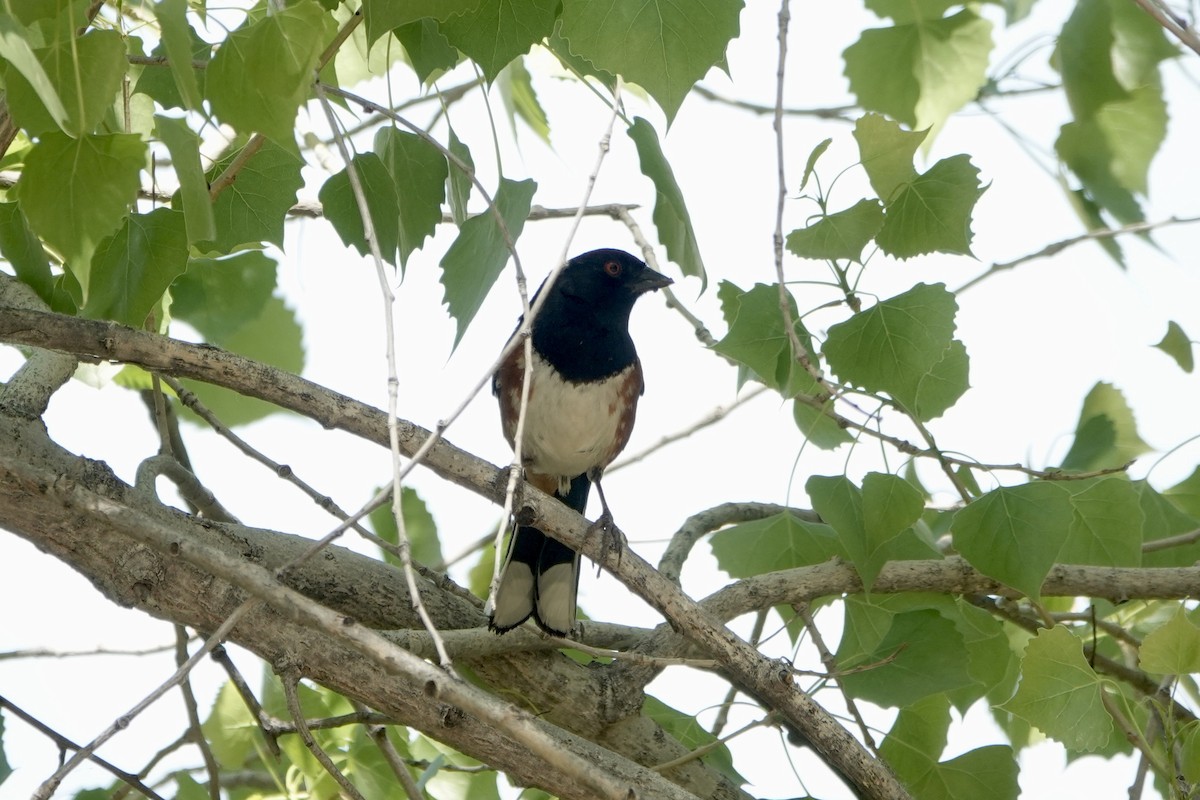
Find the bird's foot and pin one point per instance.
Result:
(611, 538)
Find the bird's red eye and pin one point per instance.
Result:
(613, 268)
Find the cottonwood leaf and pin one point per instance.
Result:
(843, 234)
(218, 297)
(1107, 525)
(1185, 495)
(133, 268)
(177, 38)
(1059, 693)
(779, 542)
(1014, 534)
(428, 49)
(20, 60)
(758, 339)
(475, 259)
(1178, 346)
(495, 32)
(947, 380)
(21, 248)
(818, 427)
(892, 346)
(419, 526)
(919, 654)
(932, 212)
(252, 209)
(382, 16)
(340, 205)
(84, 72)
(1106, 435)
(76, 191)
(920, 71)
(419, 172)
(671, 217)
(263, 72)
(692, 735)
(662, 47)
(1172, 648)
(886, 152)
(184, 146)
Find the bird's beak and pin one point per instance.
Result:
(649, 281)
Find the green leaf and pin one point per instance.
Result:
(692, 735)
(840, 235)
(1185, 495)
(1014, 534)
(893, 346)
(477, 256)
(495, 32)
(379, 189)
(420, 168)
(1106, 435)
(24, 251)
(940, 388)
(671, 217)
(133, 268)
(273, 337)
(1059, 693)
(74, 192)
(263, 72)
(915, 743)
(1178, 346)
(520, 100)
(218, 298)
(418, 525)
(230, 729)
(768, 545)
(1107, 526)
(920, 72)
(811, 164)
(384, 15)
(919, 654)
(85, 73)
(177, 41)
(819, 428)
(429, 51)
(161, 83)
(758, 339)
(932, 213)
(21, 60)
(663, 47)
(1173, 648)
(458, 182)
(1163, 518)
(869, 522)
(184, 146)
(252, 209)
(886, 152)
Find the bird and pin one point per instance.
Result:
(585, 382)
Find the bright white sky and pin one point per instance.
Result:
(1038, 337)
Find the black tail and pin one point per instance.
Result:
(541, 575)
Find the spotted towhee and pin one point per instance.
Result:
(584, 387)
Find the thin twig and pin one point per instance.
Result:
(1170, 21)
(66, 744)
(293, 703)
(221, 656)
(48, 787)
(378, 734)
(831, 666)
(1057, 247)
(41, 652)
(193, 715)
(711, 418)
(1167, 542)
(760, 622)
(393, 380)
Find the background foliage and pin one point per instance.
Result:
(157, 154)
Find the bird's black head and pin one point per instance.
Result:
(583, 326)
(607, 279)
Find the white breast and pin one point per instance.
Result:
(569, 428)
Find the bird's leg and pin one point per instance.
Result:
(611, 538)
